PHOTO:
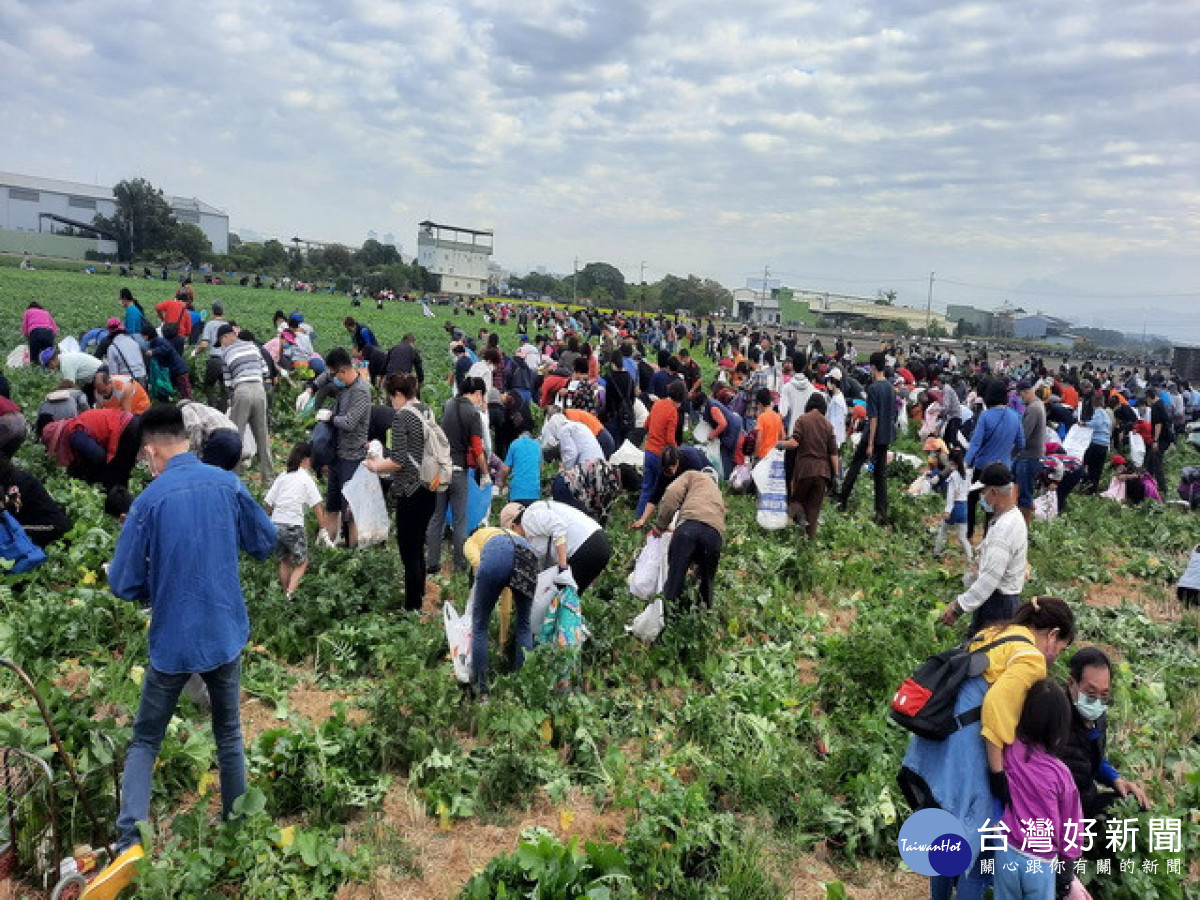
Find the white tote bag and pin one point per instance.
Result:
(771, 481)
(542, 596)
(702, 432)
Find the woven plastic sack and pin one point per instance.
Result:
(771, 480)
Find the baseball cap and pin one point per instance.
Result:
(509, 514)
(995, 474)
(224, 330)
(46, 355)
(1118, 459)
(1026, 384)
(113, 324)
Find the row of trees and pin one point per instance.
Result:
(604, 285)
(146, 228)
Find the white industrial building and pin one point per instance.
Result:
(459, 257)
(34, 210)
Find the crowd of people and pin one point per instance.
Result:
(579, 409)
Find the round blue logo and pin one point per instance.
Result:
(933, 842)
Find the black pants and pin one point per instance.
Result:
(39, 340)
(590, 560)
(214, 385)
(412, 521)
(1094, 458)
(879, 461)
(950, 433)
(692, 542)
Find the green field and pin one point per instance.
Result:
(745, 755)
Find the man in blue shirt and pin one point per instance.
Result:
(198, 614)
(998, 437)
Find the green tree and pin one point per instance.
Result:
(602, 275)
(700, 297)
(337, 258)
(273, 255)
(143, 221)
(373, 254)
(191, 243)
(885, 298)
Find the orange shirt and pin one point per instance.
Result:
(104, 425)
(770, 433)
(1070, 396)
(174, 311)
(661, 425)
(582, 415)
(124, 386)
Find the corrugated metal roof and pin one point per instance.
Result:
(97, 192)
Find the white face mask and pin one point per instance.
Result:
(1091, 708)
(983, 501)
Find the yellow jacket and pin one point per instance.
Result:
(473, 547)
(1012, 669)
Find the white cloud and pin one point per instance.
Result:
(1004, 142)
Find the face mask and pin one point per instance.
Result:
(983, 501)
(1090, 708)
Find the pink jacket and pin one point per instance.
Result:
(37, 318)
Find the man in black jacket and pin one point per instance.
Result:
(1089, 686)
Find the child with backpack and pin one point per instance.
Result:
(290, 495)
(1042, 791)
(958, 486)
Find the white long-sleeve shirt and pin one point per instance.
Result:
(836, 414)
(1001, 561)
(548, 523)
(957, 489)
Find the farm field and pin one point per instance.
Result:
(745, 755)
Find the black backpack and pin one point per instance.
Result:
(924, 704)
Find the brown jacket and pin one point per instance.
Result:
(696, 497)
(814, 434)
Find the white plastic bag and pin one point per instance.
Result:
(640, 413)
(771, 481)
(1045, 507)
(249, 447)
(18, 358)
(1076, 442)
(364, 493)
(712, 449)
(649, 623)
(650, 571)
(627, 455)
(920, 486)
(542, 595)
(1137, 449)
(702, 432)
(459, 637)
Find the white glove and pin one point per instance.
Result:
(302, 400)
(564, 578)
(324, 415)
(485, 481)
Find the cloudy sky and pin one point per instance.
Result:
(1035, 152)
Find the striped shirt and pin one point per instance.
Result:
(352, 419)
(243, 364)
(408, 448)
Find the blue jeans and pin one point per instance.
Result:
(1016, 883)
(160, 694)
(651, 468)
(971, 885)
(493, 576)
(1025, 472)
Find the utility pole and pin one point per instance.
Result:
(929, 306)
(642, 295)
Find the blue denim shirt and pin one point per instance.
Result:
(179, 549)
(997, 437)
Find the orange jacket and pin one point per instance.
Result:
(661, 425)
